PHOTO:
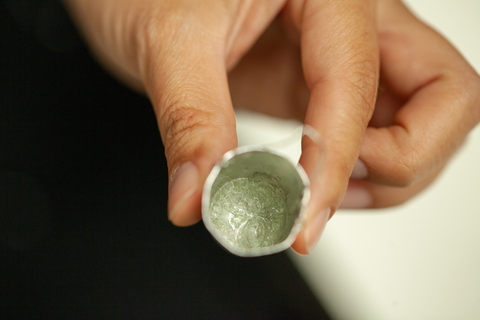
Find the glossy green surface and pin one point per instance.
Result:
(250, 212)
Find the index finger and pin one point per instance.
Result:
(341, 67)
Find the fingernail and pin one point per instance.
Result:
(314, 135)
(316, 153)
(356, 197)
(360, 170)
(315, 228)
(183, 185)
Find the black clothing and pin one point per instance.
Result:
(83, 192)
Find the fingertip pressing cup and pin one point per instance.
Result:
(254, 201)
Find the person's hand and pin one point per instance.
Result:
(324, 67)
(428, 100)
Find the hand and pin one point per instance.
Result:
(325, 69)
(427, 102)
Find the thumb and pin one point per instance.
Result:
(187, 84)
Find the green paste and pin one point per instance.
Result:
(250, 212)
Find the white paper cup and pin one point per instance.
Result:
(254, 201)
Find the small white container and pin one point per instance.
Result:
(254, 201)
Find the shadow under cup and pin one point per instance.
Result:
(254, 201)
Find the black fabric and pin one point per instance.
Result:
(83, 193)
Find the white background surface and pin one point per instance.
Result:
(417, 261)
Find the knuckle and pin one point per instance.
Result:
(157, 19)
(406, 172)
(163, 30)
(364, 92)
(361, 82)
(180, 122)
(366, 74)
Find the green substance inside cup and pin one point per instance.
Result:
(250, 212)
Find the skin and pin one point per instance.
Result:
(374, 83)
